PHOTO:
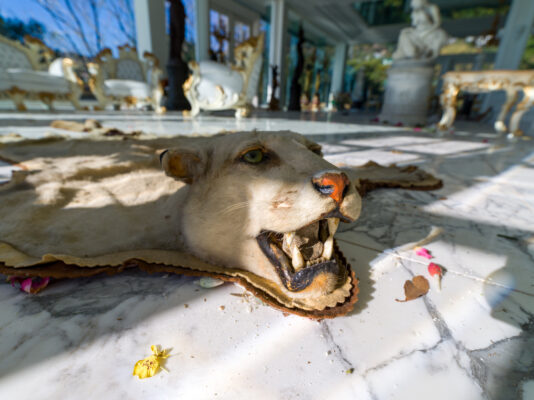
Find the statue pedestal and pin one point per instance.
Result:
(408, 92)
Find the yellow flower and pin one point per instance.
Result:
(148, 367)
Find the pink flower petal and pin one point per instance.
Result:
(26, 285)
(39, 284)
(13, 280)
(29, 285)
(434, 269)
(421, 251)
(417, 129)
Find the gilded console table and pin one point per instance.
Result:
(512, 82)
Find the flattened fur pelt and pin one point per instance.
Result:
(102, 202)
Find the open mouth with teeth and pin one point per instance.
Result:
(301, 256)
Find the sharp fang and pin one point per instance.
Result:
(333, 223)
(328, 248)
(288, 240)
(296, 258)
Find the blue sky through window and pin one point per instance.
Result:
(55, 37)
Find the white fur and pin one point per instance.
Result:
(232, 202)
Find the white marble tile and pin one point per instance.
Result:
(438, 374)
(407, 139)
(381, 328)
(175, 124)
(356, 158)
(452, 147)
(471, 340)
(528, 390)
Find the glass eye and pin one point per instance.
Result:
(253, 156)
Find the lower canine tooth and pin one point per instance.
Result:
(296, 258)
(328, 247)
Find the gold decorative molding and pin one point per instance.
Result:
(40, 58)
(105, 67)
(246, 55)
(512, 82)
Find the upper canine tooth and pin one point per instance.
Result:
(333, 223)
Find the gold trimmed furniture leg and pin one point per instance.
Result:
(448, 102)
(522, 107)
(511, 97)
(195, 108)
(74, 97)
(75, 101)
(48, 99)
(155, 100)
(17, 96)
(243, 112)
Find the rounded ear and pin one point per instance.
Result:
(184, 165)
(315, 147)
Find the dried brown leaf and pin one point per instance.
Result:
(415, 288)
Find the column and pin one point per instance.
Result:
(516, 33)
(277, 47)
(150, 24)
(202, 30)
(513, 42)
(256, 27)
(338, 70)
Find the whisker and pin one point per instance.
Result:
(235, 207)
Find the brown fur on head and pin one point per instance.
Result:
(245, 185)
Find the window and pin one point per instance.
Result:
(219, 36)
(241, 32)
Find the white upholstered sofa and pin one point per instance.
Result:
(27, 72)
(127, 80)
(214, 86)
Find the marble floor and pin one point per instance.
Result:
(473, 339)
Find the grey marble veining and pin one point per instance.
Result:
(473, 339)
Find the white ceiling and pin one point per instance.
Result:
(332, 21)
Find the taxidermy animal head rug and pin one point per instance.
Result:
(256, 208)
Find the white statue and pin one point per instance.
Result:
(425, 38)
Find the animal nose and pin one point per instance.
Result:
(332, 183)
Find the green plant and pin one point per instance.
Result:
(527, 62)
(373, 67)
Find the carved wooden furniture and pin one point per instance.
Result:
(512, 82)
(214, 86)
(27, 72)
(126, 80)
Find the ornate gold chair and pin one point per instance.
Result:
(27, 72)
(214, 86)
(126, 80)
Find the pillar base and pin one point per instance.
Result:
(408, 92)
